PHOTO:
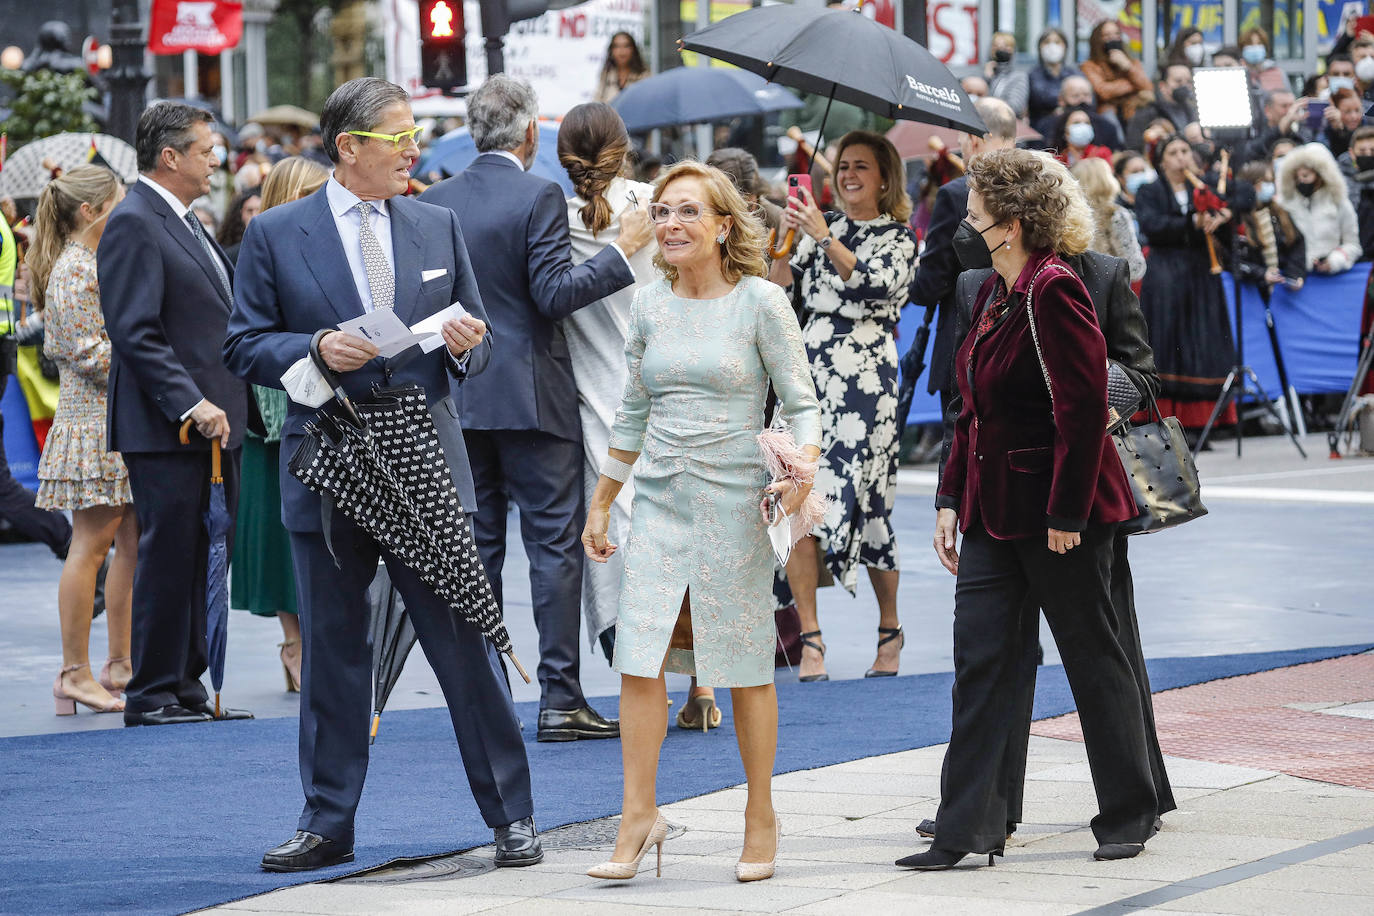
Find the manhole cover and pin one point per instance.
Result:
(450, 866)
(593, 834)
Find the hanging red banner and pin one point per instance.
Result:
(207, 26)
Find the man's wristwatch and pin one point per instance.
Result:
(825, 242)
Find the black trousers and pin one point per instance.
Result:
(542, 474)
(336, 684)
(16, 503)
(171, 490)
(1000, 584)
(1128, 634)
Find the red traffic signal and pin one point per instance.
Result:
(443, 58)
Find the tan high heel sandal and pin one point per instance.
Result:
(66, 703)
(708, 714)
(293, 681)
(107, 680)
(624, 871)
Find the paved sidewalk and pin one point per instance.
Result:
(1245, 840)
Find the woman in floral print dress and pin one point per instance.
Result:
(77, 472)
(854, 269)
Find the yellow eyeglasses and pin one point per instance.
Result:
(400, 141)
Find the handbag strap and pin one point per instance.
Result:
(1035, 333)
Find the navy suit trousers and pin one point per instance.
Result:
(336, 684)
(542, 474)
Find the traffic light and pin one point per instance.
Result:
(443, 57)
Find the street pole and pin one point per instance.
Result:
(495, 25)
(127, 77)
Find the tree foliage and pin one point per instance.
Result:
(46, 103)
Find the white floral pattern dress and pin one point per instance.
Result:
(77, 471)
(693, 405)
(851, 344)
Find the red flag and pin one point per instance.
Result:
(207, 26)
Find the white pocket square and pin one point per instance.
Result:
(427, 275)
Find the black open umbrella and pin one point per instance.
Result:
(393, 636)
(841, 55)
(379, 461)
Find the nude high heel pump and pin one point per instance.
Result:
(760, 871)
(624, 871)
(66, 704)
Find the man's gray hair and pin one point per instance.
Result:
(356, 105)
(998, 116)
(499, 111)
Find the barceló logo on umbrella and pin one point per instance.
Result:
(940, 95)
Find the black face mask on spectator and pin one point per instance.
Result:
(1307, 188)
(1183, 95)
(1364, 163)
(1110, 46)
(1002, 56)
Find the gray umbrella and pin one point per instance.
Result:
(698, 95)
(25, 176)
(393, 636)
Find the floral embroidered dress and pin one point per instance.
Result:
(853, 352)
(693, 405)
(76, 470)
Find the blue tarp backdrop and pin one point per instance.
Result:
(1318, 328)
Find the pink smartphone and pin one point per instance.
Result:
(796, 181)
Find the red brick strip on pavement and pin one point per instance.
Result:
(1250, 721)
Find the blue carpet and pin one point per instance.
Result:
(167, 820)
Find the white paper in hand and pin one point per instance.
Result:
(382, 329)
(430, 331)
(305, 385)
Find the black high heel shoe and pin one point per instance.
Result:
(888, 634)
(819, 646)
(935, 859)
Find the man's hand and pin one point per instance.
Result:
(1063, 541)
(462, 334)
(211, 422)
(344, 352)
(635, 230)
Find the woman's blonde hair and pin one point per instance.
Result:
(1100, 189)
(893, 198)
(741, 254)
(57, 218)
(291, 179)
(1039, 192)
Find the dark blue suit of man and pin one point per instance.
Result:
(166, 305)
(295, 279)
(524, 433)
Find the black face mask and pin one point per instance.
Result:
(1110, 46)
(1364, 163)
(1183, 95)
(971, 248)
(1307, 188)
(1002, 56)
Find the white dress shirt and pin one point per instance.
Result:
(349, 223)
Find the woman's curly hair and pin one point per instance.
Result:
(741, 254)
(592, 146)
(1039, 192)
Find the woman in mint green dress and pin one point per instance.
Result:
(703, 344)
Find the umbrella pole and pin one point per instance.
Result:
(518, 667)
(376, 721)
(216, 704)
(820, 134)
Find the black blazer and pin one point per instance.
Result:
(515, 225)
(166, 313)
(1108, 281)
(933, 286)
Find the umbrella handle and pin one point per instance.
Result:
(216, 474)
(518, 667)
(779, 253)
(330, 378)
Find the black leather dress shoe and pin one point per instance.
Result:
(518, 844)
(306, 851)
(224, 711)
(574, 724)
(165, 715)
(1111, 851)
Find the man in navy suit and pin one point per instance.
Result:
(524, 434)
(356, 246)
(165, 292)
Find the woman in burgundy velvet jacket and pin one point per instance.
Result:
(1035, 485)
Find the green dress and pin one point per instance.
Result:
(261, 579)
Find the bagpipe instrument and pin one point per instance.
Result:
(1206, 200)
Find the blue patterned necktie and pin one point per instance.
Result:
(380, 280)
(199, 232)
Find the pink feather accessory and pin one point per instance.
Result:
(785, 460)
